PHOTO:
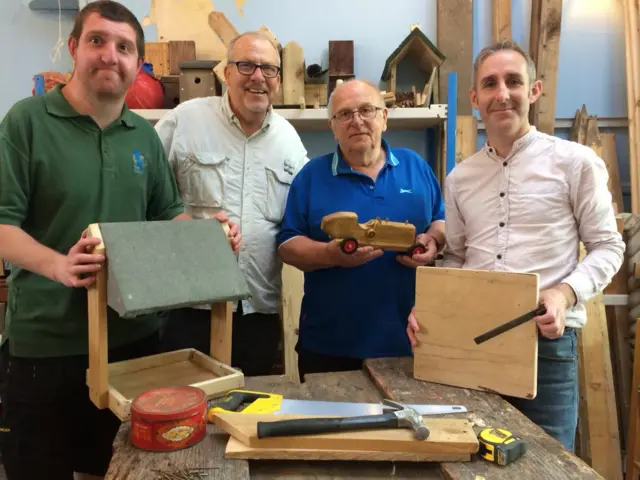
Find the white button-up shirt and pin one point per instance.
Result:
(528, 212)
(217, 167)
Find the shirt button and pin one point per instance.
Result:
(502, 194)
(504, 164)
(491, 150)
(502, 224)
(498, 256)
(370, 187)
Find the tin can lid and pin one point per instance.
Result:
(167, 402)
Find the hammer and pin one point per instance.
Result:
(397, 416)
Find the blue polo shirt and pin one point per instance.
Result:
(360, 312)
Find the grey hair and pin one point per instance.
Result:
(357, 80)
(253, 34)
(499, 46)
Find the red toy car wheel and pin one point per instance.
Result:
(349, 245)
(417, 249)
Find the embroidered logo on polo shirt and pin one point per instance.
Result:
(403, 190)
(138, 162)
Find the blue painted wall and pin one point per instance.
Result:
(591, 69)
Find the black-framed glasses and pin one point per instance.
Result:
(367, 111)
(247, 68)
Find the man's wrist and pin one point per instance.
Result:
(568, 294)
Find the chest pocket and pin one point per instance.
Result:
(201, 177)
(539, 203)
(278, 184)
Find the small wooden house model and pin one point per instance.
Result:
(426, 57)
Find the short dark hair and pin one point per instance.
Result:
(113, 11)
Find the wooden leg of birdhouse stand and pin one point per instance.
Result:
(221, 329)
(98, 377)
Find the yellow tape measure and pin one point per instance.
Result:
(500, 446)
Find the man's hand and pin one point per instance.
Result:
(413, 328)
(235, 237)
(423, 259)
(78, 267)
(361, 256)
(552, 323)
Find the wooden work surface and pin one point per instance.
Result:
(392, 378)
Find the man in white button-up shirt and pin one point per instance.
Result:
(235, 154)
(522, 204)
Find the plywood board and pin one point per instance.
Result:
(453, 306)
(448, 435)
(169, 264)
(238, 450)
(501, 20)
(220, 24)
(180, 51)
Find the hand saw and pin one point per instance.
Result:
(262, 402)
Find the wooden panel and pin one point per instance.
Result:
(448, 436)
(610, 158)
(447, 353)
(171, 86)
(221, 331)
(293, 73)
(501, 20)
(631, 15)
(180, 51)
(466, 137)
(315, 94)
(546, 17)
(157, 54)
(341, 57)
(545, 458)
(455, 41)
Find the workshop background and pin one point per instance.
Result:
(591, 60)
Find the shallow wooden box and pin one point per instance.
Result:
(116, 385)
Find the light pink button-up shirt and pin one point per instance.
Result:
(528, 212)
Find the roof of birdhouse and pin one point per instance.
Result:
(419, 45)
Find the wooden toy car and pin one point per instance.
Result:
(384, 234)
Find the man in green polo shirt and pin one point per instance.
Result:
(72, 157)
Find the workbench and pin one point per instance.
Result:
(390, 378)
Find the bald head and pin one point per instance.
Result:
(351, 88)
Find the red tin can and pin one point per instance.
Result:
(165, 419)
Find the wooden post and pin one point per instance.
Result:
(98, 378)
(466, 137)
(292, 292)
(221, 331)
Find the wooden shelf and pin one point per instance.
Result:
(316, 118)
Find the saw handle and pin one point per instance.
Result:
(235, 398)
(309, 426)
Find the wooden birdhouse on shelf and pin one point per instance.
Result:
(426, 57)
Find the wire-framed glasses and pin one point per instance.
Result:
(247, 68)
(367, 111)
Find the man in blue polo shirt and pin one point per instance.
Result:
(355, 306)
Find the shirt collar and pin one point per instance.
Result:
(519, 145)
(56, 104)
(233, 119)
(340, 166)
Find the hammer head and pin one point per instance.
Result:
(408, 418)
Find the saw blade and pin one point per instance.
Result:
(349, 409)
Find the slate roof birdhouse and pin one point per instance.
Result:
(425, 55)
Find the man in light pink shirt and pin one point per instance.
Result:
(523, 203)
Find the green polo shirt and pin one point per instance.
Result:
(59, 172)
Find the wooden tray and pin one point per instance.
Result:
(451, 439)
(130, 378)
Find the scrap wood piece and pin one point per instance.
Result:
(221, 25)
(501, 20)
(546, 18)
(466, 137)
(455, 41)
(292, 73)
(180, 51)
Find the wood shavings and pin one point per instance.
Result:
(476, 421)
(183, 474)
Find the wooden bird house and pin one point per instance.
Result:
(158, 266)
(424, 55)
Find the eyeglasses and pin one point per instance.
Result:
(247, 68)
(365, 111)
